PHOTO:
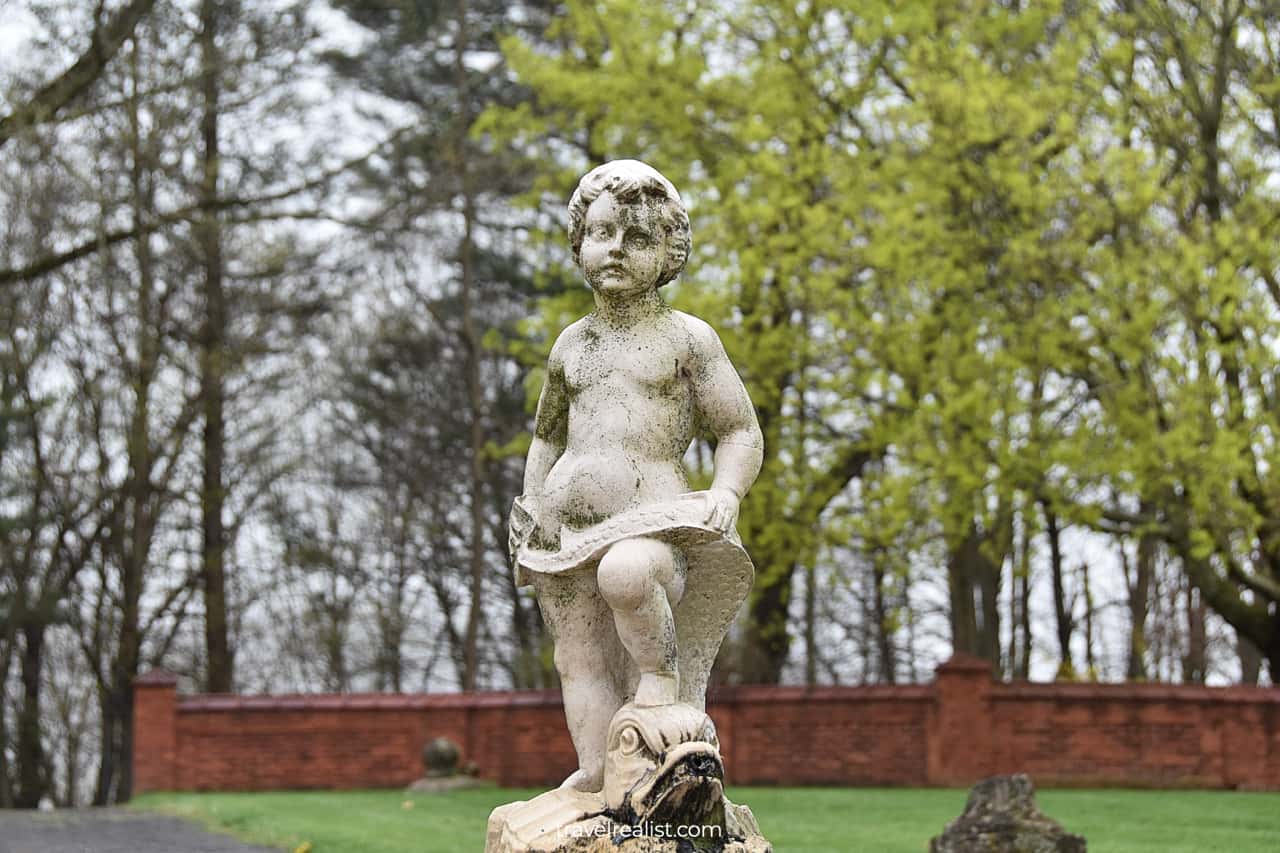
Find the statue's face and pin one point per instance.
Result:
(623, 246)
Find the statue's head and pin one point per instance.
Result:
(639, 193)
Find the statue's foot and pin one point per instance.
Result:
(657, 688)
(585, 781)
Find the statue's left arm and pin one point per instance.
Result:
(726, 411)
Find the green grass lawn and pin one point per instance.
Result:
(796, 820)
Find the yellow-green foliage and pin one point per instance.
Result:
(967, 256)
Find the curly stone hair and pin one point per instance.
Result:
(633, 182)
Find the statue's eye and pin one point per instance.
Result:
(629, 740)
(639, 239)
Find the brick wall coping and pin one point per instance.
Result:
(156, 678)
(1029, 690)
(524, 698)
(368, 701)
(770, 693)
(724, 695)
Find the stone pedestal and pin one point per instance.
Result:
(564, 821)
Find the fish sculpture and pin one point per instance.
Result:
(664, 782)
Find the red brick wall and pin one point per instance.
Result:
(952, 732)
(155, 701)
(823, 735)
(1144, 735)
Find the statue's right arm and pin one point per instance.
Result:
(550, 429)
(550, 432)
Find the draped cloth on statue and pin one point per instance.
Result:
(719, 574)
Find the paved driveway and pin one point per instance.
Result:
(109, 831)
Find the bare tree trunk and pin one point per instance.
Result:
(1061, 606)
(766, 644)
(912, 658)
(1090, 661)
(124, 716)
(115, 774)
(527, 662)
(390, 657)
(6, 660)
(33, 784)
(218, 678)
(131, 545)
(1020, 606)
(71, 761)
(810, 626)
(1196, 664)
(1015, 619)
(1024, 597)
(989, 624)
(475, 393)
(964, 621)
(1139, 591)
(1250, 660)
(1272, 655)
(884, 630)
(337, 678)
(102, 792)
(116, 786)
(975, 600)
(526, 671)
(865, 631)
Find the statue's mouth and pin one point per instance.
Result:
(688, 788)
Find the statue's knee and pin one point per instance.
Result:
(673, 584)
(629, 573)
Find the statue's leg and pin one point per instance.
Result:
(642, 580)
(581, 627)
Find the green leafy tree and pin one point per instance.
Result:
(1179, 356)
(886, 204)
(766, 158)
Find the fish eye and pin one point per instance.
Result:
(629, 740)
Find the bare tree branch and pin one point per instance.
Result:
(49, 263)
(108, 36)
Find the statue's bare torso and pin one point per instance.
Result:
(632, 412)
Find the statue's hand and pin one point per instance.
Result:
(521, 524)
(722, 509)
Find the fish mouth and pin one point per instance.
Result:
(687, 789)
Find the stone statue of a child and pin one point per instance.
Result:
(637, 578)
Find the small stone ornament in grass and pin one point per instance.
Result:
(440, 758)
(1001, 817)
(637, 576)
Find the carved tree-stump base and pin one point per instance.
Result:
(1001, 817)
